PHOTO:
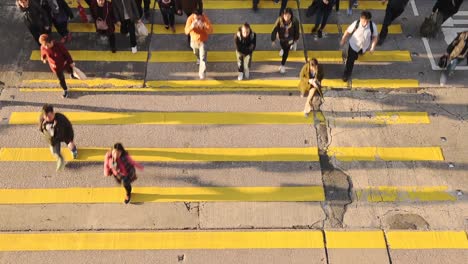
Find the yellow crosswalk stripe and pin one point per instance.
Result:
(404, 194)
(247, 4)
(90, 82)
(386, 154)
(161, 240)
(226, 56)
(162, 195)
(220, 118)
(159, 29)
(290, 239)
(427, 240)
(89, 154)
(384, 83)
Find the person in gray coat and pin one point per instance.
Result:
(126, 14)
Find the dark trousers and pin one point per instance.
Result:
(286, 47)
(390, 16)
(352, 57)
(322, 15)
(61, 77)
(168, 16)
(36, 33)
(130, 28)
(62, 28)
(146, 4)
(284, 3)
(127, 185)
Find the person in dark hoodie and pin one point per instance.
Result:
(446, 9)
(189, 7)
(126, 14)
(394, 9)
(57, 129)
(101, 11)
(59, 13)
(286, 29)
(35, 18)
(246, 41)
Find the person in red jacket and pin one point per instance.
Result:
(120, 164)
(59, 60)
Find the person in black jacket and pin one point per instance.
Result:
(59, 13)
(446, 9)
(284, 4)
(35, 18)
(246, 41)
(286, 29)
(323, 12)
(57, 129)
(394, 9)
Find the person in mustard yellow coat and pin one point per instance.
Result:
(311, 77)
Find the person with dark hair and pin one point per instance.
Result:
(394, 9)
(323, 12)
(189, 7)
(59, 13)
(311, 77)
(363, 37)
(35, 18)
(118, 163)
(286, 29)
(445, 9)
(144, 11)
(167, 8)
(246, 41)
(457, 51)
(57, 129)
(101, 11)
(59, 60)
(198, 26)
(126, 15)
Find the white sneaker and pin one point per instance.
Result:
(202, 76)
(294, 47)
(246, 75)
(198, 61)
(281, 53)
(240, 77)
(134, 50)
(282, 69)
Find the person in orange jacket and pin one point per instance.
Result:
(198, 26)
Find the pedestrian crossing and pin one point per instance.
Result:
(241, 239)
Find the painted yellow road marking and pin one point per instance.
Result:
(170, 118)
(404, 194)
(427, 240)
(220, 118)
(161, 240)
(350, 239)
(386, 154)
(94, 82)
(385, 83)
(223, 28)
(170, 154)
(226, 56)
(162, 195)
(247, 4)
(290, 239)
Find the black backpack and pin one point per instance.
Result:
(371, 25)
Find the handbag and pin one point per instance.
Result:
(443, 62)
(79, 74)
(101, 24)
(429, 27)
(141, 29)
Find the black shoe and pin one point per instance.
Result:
(127, 199)
(73, 76)
(65, 94)
(319, 34)
(345, 78)
(380, 42)
(255, 8)
(314, 29)
(147, 15)
(114, 50)
(166, 27)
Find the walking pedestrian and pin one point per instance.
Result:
(246, 41)
(394, 9)
(363, 37)
(198, 26)
(126, 15)
(323, 12)
(35, 18)
(167, 8)
(59, 59)
(59, 13)
(57, 129)
(445, 9)
(189, 7)
(457, 51)
(119, 164)
(144, 10)
(284, 4)
(101, 11)
(286, 29)
(311, 77)
(351, 4)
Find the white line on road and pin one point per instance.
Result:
(415, 9)
(434, 66)
(459, 13)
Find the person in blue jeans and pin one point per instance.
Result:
(322, 15)
(284, 3)
(352, 3)
(457, 51)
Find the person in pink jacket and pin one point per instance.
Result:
(120, 164)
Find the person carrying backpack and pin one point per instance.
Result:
(363, 37)
(246, 41)
(457, 51)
